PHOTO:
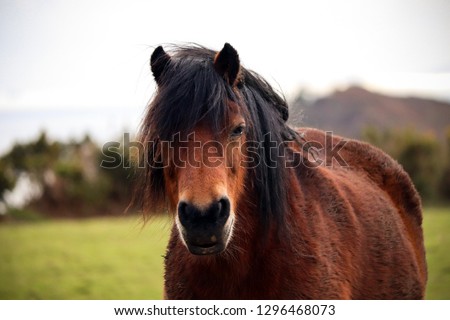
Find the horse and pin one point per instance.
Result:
(263, 210)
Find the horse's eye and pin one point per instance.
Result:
(238, 131)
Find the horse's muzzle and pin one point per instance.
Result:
(205, 231)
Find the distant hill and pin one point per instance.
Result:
(348, 112)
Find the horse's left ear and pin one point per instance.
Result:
(227, 64)
(158, 62)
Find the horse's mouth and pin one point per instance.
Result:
(206, 249)
(213, 244)
(207, 242)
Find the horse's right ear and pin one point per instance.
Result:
(226, 63)
(158, 62)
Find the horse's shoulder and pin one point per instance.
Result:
(369, 160)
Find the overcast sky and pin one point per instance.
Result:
(70, 54)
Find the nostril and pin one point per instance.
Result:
(224, 208)
(183, 212)
(182, 206)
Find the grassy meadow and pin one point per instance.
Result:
(115, 258)
(102, 258)
(437, 242)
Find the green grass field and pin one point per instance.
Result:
(437, 242)
(114, 258)
(100, 258)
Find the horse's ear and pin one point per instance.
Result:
(227, 64)
(158, 62)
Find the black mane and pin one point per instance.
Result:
(191, 90)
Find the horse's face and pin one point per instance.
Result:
(204, 176)
(204, 183)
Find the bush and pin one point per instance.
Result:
(420, 155)
(70, 176)
(444, 183)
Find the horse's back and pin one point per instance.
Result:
(374, 210)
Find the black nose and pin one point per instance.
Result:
(204, 226)
(192, 217)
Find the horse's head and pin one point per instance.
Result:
(205, 181)
(203, 124)
(203, 172)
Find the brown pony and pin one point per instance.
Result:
(265, 211)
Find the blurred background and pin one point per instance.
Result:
(74, 75)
